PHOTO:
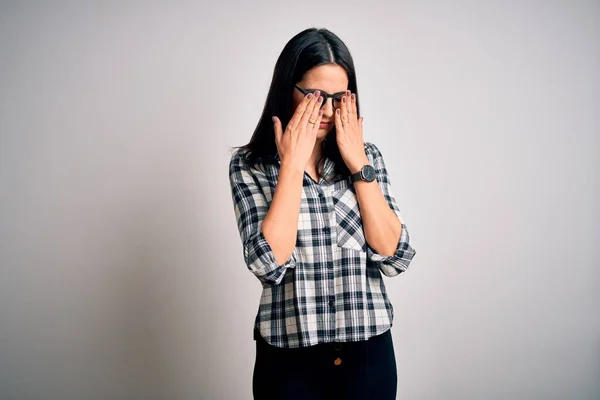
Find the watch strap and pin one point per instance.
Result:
(356, 177)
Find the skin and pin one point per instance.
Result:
(299, 148)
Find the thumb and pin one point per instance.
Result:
(277, 128)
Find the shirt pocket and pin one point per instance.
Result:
(350, 233)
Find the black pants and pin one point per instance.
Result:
(363, 370)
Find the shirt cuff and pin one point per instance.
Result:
(398, 262)
(261, 261)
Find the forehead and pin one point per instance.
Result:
(329, 77)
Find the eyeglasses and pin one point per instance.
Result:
(337, 97)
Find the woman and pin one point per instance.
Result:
(319, 225)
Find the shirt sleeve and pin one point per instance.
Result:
(251, 206)
(400, 260)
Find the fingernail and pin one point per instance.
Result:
(337, 111)
(353, 97)
(344, 99)
(309, 96)
(318, 92)
(320, 99)
(274, 119)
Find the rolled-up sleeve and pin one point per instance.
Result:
(400, 260)
(251, 206)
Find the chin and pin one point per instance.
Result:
(323, 132)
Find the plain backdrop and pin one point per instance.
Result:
(122, 275)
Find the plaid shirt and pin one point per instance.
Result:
(331, 288)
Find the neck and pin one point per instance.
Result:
(317, 152)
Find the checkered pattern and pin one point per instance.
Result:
(331, 288)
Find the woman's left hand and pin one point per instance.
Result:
(349, 134)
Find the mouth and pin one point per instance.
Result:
(324, 125)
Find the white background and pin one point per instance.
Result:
(122, 274)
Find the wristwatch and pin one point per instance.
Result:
(366, 174)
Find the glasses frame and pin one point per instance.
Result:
(325, 95)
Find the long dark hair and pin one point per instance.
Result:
(308, 49)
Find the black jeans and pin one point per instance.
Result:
(364, 370)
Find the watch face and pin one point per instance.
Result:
(368, 173)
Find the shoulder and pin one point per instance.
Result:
(372, 151)
(241, 159)
(237, 158)
(238, 163)
(242, 164)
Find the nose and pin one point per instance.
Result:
(328, 108)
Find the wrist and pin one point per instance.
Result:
(356, 166)
(292, 167)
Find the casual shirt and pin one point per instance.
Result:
(331, 288)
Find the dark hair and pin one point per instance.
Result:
(308, 49)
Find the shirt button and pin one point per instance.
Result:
(326, 229)
(321, 196)
(331, 303)
(337, 361)
(330, 265)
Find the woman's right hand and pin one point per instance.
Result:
(296, 144)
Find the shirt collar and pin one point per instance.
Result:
(327, 169)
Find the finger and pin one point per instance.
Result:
(308, 111)
(348, 106)
(295, 120)
(353, 109)
(344, 108)
(317, 120)
(315, 111)
(278, 133)
(277, 129)
(339, 127)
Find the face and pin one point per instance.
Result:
(329, 78)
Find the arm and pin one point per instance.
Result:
(268, 233)
(388, 241)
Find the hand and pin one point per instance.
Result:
(349, 134)
(295, 145)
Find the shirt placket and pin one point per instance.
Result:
(331, 232)
(327, 189)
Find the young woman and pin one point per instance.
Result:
(319, 225)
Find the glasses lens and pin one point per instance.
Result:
(324, 101)
(337, 100)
